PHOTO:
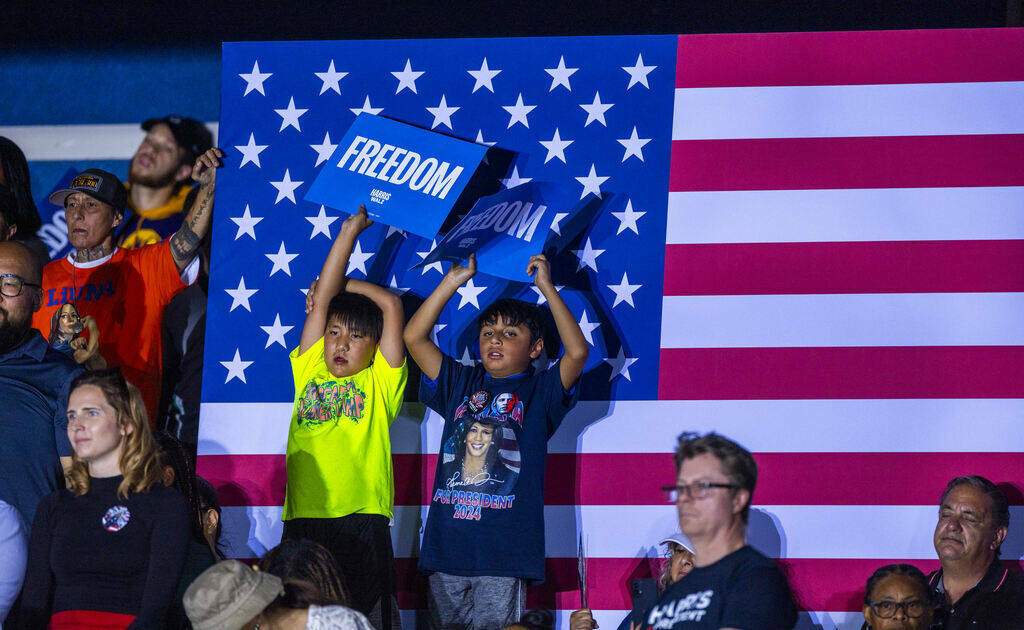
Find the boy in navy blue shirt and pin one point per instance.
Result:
(484, 536)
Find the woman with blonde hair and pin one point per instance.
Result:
(107, 551)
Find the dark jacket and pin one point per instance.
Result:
(995, 603)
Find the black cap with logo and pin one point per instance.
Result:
(98, 184)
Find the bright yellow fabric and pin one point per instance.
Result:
(339, 448)
(174, 205)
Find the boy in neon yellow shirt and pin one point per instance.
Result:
(350, 375)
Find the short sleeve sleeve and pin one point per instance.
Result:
(60, 420)
(759, 599)
(391, 380)
(559, 401)
(156, 264)
(304, 365)
(450, 378)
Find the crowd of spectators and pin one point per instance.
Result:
(105, 524)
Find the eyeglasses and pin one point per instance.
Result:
(10, 285)
(696, 490)
(885, 608)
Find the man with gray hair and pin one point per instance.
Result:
(732, 586)
(974, 589)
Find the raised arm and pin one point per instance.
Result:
(185, 242)
(420, 328)
(332, 278)
(394, 317)
(570, 367)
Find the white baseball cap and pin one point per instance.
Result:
(680, 539)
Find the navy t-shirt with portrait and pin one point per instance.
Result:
(743, 590)
(487, 506)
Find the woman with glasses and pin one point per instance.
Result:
(897, 597)
(107, 551)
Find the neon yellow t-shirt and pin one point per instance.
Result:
(339, 448)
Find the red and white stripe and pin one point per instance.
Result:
(845, 265)
(844, 295)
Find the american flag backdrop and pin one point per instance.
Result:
(812, 243)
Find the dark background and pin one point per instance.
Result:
(104, 24)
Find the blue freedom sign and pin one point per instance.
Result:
(504, 230)
(407, 177)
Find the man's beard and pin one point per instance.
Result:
(151, 181)
(12, 333)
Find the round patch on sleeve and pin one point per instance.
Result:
(116, 518)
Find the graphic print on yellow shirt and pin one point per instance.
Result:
(338, 458)
(323, 402)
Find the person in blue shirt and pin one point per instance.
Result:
(484, 537)
(34, 380)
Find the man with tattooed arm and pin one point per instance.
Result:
(124, 290)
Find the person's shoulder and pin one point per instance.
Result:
(380, 363)
(333, 617)
(60, 362)
(59, 365)
(56, 268)
(747, 560)
(137, 253)
(455, 366)
(53, 266)
(160, 495)
(1014, 583)
(1006, 603)
(51, 501)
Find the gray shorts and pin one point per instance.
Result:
(475, 603)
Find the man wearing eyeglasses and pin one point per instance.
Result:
(732, 586)
(975, 590)
(33, 389)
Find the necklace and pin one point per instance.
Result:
(475, 478)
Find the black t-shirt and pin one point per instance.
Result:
(487, 507)
(743, 590)
(102, 553)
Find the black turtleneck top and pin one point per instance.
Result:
(103, 553)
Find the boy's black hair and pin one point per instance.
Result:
(356, 312)
(515, 312)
